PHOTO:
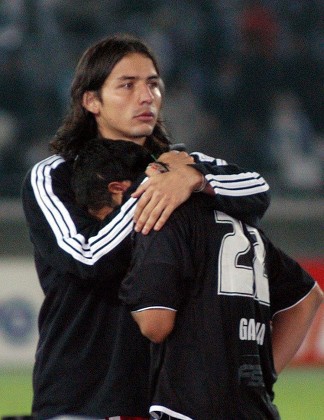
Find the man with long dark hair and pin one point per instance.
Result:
(81, 367)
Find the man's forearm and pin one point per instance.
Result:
(290, 327)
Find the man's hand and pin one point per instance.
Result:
(174, 159)
(161, 194)
(169, 161)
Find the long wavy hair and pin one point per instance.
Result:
(95, 65)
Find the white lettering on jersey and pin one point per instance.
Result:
(251, 330)
(241, 274)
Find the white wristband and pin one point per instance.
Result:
(202, 185)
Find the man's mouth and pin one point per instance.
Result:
(145, 116)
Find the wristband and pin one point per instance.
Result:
(202, 185)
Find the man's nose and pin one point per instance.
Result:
(145, 93)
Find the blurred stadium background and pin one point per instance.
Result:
(244, 81)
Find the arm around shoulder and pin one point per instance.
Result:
(65, 235)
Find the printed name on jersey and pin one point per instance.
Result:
(251, 330)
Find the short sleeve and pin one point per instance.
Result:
(288, 281)
(160, 269)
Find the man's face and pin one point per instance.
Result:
(130, 100)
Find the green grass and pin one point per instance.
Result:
(15, 392)
(299, 393)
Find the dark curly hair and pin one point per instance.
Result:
(95, 65)
(102, 161)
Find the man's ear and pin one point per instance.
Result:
(116, 187)
(90, 101)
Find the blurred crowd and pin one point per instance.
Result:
(244, 78)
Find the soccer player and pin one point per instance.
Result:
(116, 93)
(225, 279)
(225, 309)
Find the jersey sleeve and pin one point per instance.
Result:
(289, 283)
(160, 270)
(242, 194)
(67, 237)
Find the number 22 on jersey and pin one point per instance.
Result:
(241, 268)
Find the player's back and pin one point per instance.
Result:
(217, 362)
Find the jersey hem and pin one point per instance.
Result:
(156, 411)
(154, 307)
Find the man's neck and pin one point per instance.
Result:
(140, 139)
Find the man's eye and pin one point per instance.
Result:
(154, 84)
(127, 85)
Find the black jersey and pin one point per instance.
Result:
(91, 359)
(226, 280)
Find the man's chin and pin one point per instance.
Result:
(144, 131)
(141, 135)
